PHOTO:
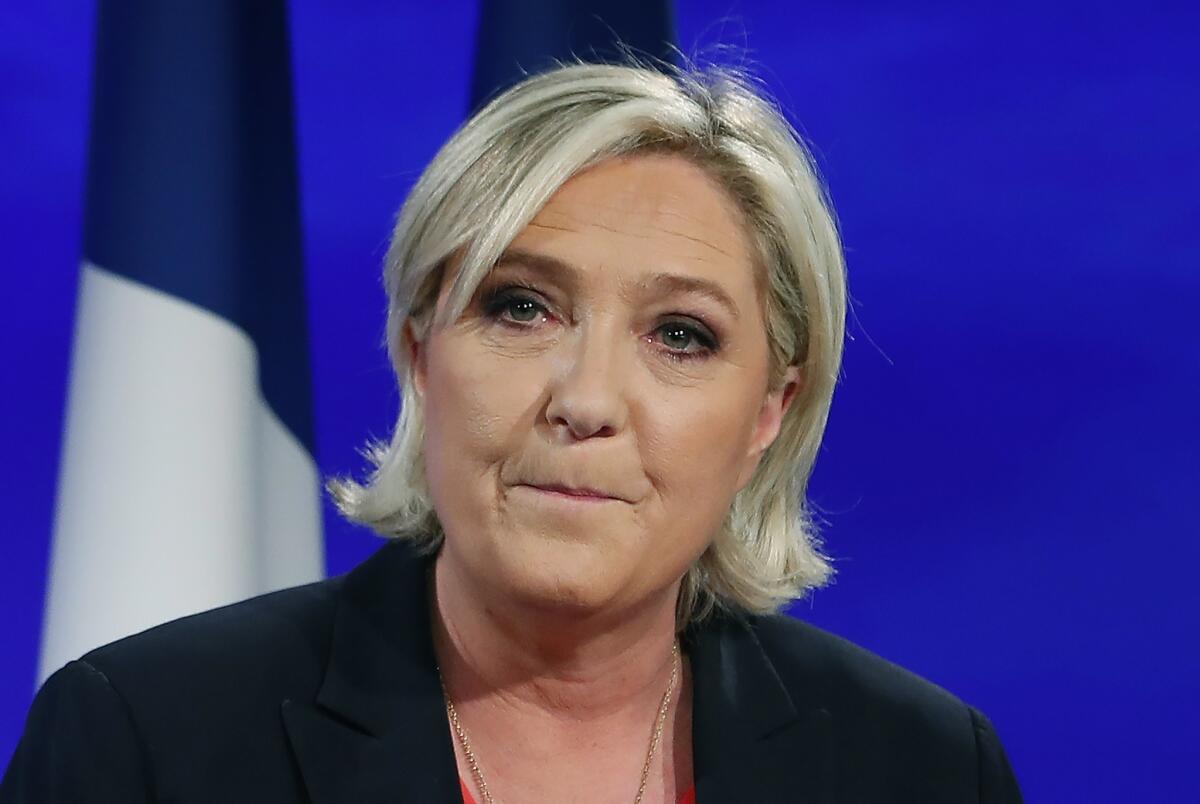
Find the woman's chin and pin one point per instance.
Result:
(563, 586)
(569, 579)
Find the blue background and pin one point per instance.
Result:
(1010, 477)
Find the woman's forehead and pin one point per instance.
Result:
(661, 196)
(642, 216)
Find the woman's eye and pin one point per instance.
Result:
(516, 307)
(677, 337)
(522, 309)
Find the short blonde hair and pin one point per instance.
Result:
(490, 179)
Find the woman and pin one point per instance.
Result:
(616, 303)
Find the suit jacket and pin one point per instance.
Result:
(329, 693)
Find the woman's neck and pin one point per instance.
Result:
(557, 708)
(546, 662)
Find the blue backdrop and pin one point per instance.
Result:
(1010, 478)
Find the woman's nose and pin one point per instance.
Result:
(587, 386)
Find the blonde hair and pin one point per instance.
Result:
(490, 179)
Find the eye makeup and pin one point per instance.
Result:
(501, 301)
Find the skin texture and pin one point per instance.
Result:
(554, 613)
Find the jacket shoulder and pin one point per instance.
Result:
(279, 639)
(809, 658)
(895, 733)
(135, 720)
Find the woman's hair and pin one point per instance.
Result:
(491, 178)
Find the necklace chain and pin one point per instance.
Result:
(655, 738)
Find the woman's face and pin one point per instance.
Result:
(618, 346)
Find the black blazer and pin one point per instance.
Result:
(328, 693)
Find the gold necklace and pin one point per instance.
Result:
(477, 772)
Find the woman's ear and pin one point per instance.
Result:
(415, 351)
(770, 419)
(793, 381)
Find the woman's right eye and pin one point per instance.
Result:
(519, 308)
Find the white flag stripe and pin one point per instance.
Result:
(180, 490)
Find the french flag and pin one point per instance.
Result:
(187, 477)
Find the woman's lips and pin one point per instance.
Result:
(583, 495)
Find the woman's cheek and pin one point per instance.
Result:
(703, 450)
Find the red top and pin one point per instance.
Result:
(687, 798)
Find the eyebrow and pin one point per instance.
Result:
(663, 281)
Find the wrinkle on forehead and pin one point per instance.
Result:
(535, 224)
(560, 220)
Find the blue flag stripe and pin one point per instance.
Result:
(192, 185)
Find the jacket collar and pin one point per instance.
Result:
(377, 730)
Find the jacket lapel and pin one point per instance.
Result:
(751, 741)
(377, 731)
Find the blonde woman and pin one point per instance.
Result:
(616, 309)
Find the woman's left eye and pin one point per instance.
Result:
(677, 336)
